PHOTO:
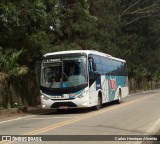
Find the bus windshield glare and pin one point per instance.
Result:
(63, 72)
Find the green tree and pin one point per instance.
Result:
(20, 21)
(129, 30)
(10, 66)
(71, 25)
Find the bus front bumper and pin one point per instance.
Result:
(64, 104)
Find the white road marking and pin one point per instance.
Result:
(19, 118)
(52, 117)
(30, 116)
(143, 92)
(152, 130)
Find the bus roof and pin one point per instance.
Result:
(84, 51)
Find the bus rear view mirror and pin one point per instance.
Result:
(94, 66)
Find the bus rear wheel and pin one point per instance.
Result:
(118, 101)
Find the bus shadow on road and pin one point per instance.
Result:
(69, 111)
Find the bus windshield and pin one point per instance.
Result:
(63, 72)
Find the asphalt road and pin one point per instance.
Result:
(138, 114)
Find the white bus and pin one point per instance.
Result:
(81, 79)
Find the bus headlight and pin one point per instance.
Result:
(45, 97)
(82, 94)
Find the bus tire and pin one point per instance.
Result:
(99, 103)
(119, 100)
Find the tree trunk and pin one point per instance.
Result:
(9, 94)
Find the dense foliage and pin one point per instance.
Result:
(129, 29)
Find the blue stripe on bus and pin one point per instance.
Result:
(98, 83)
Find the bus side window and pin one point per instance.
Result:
(91, 68)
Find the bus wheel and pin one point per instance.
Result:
(118, 101)
(99, 103)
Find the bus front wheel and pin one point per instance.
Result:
(99, 103)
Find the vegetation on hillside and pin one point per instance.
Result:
(128, 29)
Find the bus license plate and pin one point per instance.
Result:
(63, 107)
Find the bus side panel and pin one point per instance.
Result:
(109, 85)
(93, 94)
(105, 87)
(95, 87)
(114, 84)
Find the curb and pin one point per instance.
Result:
(9, 111)
(25, 110)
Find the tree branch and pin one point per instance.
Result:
(139, 10)
(137, 19)
(129, 8)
